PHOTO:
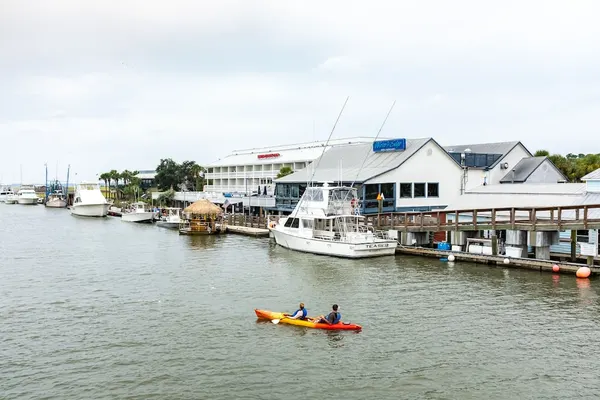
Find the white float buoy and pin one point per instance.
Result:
(451, 257)
(506, 261)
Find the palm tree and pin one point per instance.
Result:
(106, 177)
(115, 176)
(198, 174)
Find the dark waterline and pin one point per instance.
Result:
(99, 308)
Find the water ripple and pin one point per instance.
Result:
(106, 309)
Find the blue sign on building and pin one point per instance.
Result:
(389, 145)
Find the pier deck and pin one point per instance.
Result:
(246, 230)
(557, 218)
(525, 263)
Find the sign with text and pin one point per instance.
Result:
(389, 145)
(270, 155)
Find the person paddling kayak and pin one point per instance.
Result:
(301, 313)
(332, 318)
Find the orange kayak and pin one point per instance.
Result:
(271, 315)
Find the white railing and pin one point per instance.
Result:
(190, 197)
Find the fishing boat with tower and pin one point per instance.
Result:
(56, 193)
(327, 221)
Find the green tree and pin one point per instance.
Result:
(115, 176)
(574, 167)
(284, 171)
(106, 177)
(168, 174)
(166, 198)
(541, 153)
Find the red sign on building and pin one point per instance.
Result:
(270, 155)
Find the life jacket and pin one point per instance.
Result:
(304, 312)
(337, 317)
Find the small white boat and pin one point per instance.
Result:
(27, 196)
(5, 192)
(137, 213)
(171, 220)
(56, 200)
(89, 201)
(326, 221)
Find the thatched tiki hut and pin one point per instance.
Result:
(201, 218)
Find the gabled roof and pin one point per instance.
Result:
(592, 176)
(346, 163)
(502, 148)
(523, 170)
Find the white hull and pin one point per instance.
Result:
(56, 203)
(168, 224)
(10, 200)
(90, 210)
(27, 201)
(146, 216)
(379, 247)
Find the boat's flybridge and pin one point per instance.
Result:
(328, 213)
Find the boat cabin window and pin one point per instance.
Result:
(307, 223)
(292, 223)
(314, 194)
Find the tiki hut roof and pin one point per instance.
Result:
(203, 207)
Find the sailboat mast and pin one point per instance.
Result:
(46, 199)
(67, 187)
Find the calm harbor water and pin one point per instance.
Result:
(99, 308)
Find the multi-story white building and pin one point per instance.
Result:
(253, 170)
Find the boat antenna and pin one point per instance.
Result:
(374, 140)
(314, 169)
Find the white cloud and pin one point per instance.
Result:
(105, 89)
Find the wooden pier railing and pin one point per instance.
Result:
(518, 218)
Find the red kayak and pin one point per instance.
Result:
(279, 317)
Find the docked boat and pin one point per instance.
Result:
(326, 221)
(27, 196)
(171, 219)
(56, 200)
(137, 213)
(278, 317)
(202, 218)
(89, 201)
(5, 192)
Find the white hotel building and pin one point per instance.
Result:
(244, 171)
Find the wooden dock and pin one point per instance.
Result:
(525, 263)
(581, 217)
(246, 230)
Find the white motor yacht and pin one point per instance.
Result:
(5, 192)
(27, 196)
(137, 213)
(171, 220)
(89, 201)
(326, 221)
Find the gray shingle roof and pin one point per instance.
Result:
(346, 161)
(592, 176)
(523, 170)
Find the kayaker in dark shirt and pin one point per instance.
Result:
(300, 313)
(332, 318)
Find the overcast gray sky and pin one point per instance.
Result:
(120, 84)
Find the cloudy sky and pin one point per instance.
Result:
(121, 84)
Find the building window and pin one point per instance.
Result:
(433, 189)
(387, 189)
(406, 190)
(419, 190)
(371, 192)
